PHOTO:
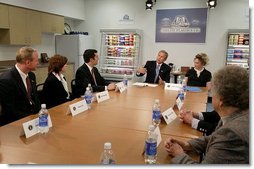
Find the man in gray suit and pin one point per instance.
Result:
(229, 143)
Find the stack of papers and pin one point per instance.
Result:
(144, 84)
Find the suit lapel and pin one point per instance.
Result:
(20, 83)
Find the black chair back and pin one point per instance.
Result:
(39, 89)
(73, 89)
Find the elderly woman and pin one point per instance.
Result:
(229, 143)
(199, 76)
(55, 89)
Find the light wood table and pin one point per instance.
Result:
(122, 120)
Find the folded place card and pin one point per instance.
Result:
(169, 115)
(158, 133)
(120, 87)
(172, 86)
(179, 103)
(102, 96)
(32, 127)
(78, 107)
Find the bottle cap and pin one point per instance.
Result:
(43, 106)
(107, 145)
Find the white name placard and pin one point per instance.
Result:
(31, 127)
(172, 86)
(78, 107)
(179, 103)
(120, 87)
(169, 115)
(158, 133)
(102, 96)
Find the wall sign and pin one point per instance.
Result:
(181, 25)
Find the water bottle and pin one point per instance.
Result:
(184, 85)
(156, 117)
(90, 87)
(179, 80)
(88, 97)
(125, 80)
(43, 119)
(107, 156)
(181, 94)
(151, 146)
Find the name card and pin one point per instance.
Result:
(120, 87)
(31, 127)
(172, 86)
(102, 96)
(158, 133)
(78, 107)
(179, 103)
(169, 115)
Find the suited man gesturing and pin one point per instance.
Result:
(88, 73)
(18, 87)
(156, 71)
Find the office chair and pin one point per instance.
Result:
(39, 89)
(73, 89)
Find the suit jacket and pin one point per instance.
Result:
(228, 144)
(193, 80)
(208, 125)
(14, 97)
(54, 92)
(84, 77)
(164, 72)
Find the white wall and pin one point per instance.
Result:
(229, 14)
(104, 14)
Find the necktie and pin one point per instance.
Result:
(157, 72)
(92, 71)
(28, 84)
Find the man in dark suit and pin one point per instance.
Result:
(205, 122)
(156, 71)
(88, 73)
(18, 87)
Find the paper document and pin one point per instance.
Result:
(144, 84)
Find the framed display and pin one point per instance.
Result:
(181, 25)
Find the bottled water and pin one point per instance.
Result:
(90, 87)
(181, 94)
(88, 97)
(179, 80)
(107, 156)
(43, 119)
(184, 85)
(156, 117)
(151, 146)
(125, 80)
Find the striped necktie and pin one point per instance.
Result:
(157, 72)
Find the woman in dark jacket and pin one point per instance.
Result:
(199, 76)
(55, 88)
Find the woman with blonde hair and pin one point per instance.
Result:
(198, 75)
(55, 89)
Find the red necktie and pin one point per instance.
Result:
(28, 84)
(92, 71)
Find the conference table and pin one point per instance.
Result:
(122, 120)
